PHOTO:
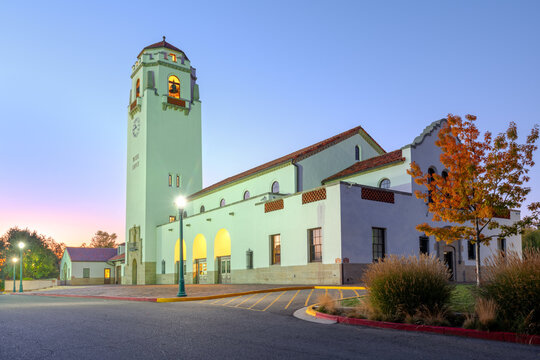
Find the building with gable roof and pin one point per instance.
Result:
(91, 266)
(315, 216)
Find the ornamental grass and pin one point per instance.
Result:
(513, 283)
(402, 287)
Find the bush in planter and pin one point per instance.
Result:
(513, 282)
(399, 286)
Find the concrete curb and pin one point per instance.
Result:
(443, 330)
(209, 297)
(124, 298)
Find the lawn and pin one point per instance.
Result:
(462, 299)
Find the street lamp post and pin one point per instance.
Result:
(21, 247)
(14, 273)
(181, 204)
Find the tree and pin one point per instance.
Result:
(40, 258)
(485, 179)
(531, 239)
(102, 239)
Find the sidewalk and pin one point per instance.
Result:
(163, 292)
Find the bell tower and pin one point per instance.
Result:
(164, 151)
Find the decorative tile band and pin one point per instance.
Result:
(315, 195)
(273, 205)
(377, 195)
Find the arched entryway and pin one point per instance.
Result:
(200, 272)
(177, 259)
(222, 254)
(134, 272)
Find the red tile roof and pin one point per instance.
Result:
(163, 44)
(294, 157)
(374, 162)
(90, 254)
(118, 257)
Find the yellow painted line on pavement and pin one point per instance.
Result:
(297, 291)
(340, 294)
(341, 287)
(249, 297)
(230, 300)
(258, 301)
(307, 300)
(356, 292)
(272, 303)
(326, 291)
(218, 300)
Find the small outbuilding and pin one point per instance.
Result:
(87, 266)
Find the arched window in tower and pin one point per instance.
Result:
(174, 87)
(431, 171)
(275, 187)
(444, 174)
(138, 88)
(357, 153)
(246, 195)
(222, 203)
(202, 209)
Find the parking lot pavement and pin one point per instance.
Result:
(283, 302)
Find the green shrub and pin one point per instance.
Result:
(401, 286)
(513, 282)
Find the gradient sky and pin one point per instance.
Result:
(275, 76)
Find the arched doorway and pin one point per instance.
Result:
(177, 259)
(200, 273)
(222, 254)
(134, 272)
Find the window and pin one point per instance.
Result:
(384, 184)
(378, 243)
(138, 88)
(172, 219)
(431, 171)
(357, 153)
(275, 187)
(177, 180)
(249, 259)
(246, 195)
(163, 266)
(202, 209)
(444, 175)
(471, 250)
(315, 245)
(86, 273)
(501, 242)
(184, 214)
(170, 180)
(174, 87)
(424, 245)
(173, 56)
(275, 245)
(222, 203)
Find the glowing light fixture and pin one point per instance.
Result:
(180, 202)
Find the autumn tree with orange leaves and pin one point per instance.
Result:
(486, 178)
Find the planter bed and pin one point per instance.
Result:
(444, 330)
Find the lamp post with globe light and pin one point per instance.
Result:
(14, 273)
(21, 247)
(181, 204)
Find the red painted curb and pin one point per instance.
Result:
(443, 330)
(97, 297)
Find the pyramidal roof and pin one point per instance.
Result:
(163, 44)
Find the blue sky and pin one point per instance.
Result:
(275, 76)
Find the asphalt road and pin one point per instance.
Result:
(71, 328)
